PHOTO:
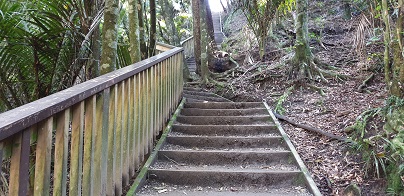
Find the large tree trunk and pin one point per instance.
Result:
(109, 37)
(143, 45)
(302, 61)
(204, 43)
(385, 15)
(153, 27)
(209, 22)
(134, 33)
(197, 34)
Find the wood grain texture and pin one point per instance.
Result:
(76, 152)
(61, 150)
(43, 157)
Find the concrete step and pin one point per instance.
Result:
(158, 188)
(267, 144)
(210, 98)
(225, 105)
(225, 130)
(226, 178)
(221, 112)
(237, 159)
(199, 92)
(224, 120)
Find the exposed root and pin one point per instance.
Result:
(279, 103)
(365, 82)
(312, 129)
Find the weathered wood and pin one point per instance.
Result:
(88, 158)
(141, 116)
(136, 139)
(76, 152)
(124, 135)
(43, 157)
(149, 112)
(118, 143)
(131, 132)
(19, 168)
(13, 121)
(101, 114)
(61, 150)
(112, 122)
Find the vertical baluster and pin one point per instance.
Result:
(101, 142)
(125, 119)
(61, 150)
(167, 98)
(112, 123)
(88, 158)
(149, 109)
(19, 168)
(141, 116)
(146, 112)
(76, 152)
(151, 98)
(118, 144)
(158, 91)
(131, 132)
(43, 157)
(136, 146)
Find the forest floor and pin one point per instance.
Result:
(333, 164)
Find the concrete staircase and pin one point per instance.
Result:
(225, 148)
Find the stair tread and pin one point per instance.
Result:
(153, 187)
(223, 149)
(223, 112)
(167, 165)
(267, 130)
(223, 169)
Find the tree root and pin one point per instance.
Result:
(365, 82)
(309, 128)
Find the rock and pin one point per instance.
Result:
(352, 190)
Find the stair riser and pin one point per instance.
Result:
(221, 112)
(227, 143)
(200, 93)
(225, 130)
(211, 98)
(228, 105)
(220, 158)
(224, 120)
(219, 179)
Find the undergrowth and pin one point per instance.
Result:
(382, 147)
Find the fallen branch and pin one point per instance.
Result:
(365, 82)
(309, 128)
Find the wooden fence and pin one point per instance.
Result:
(90, 139)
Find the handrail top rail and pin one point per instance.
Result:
(187, 40)
(20, 118)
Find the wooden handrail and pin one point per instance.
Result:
(188, 46)
(105, 126)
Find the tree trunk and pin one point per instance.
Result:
(204, 43)
(197, 34)
(134, 33)
(109, 37)
(143, 46)
(385, 15)
(209, 22)
(397, 72)
(303, 56)
(153, 27)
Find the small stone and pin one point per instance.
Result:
(352, 190)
